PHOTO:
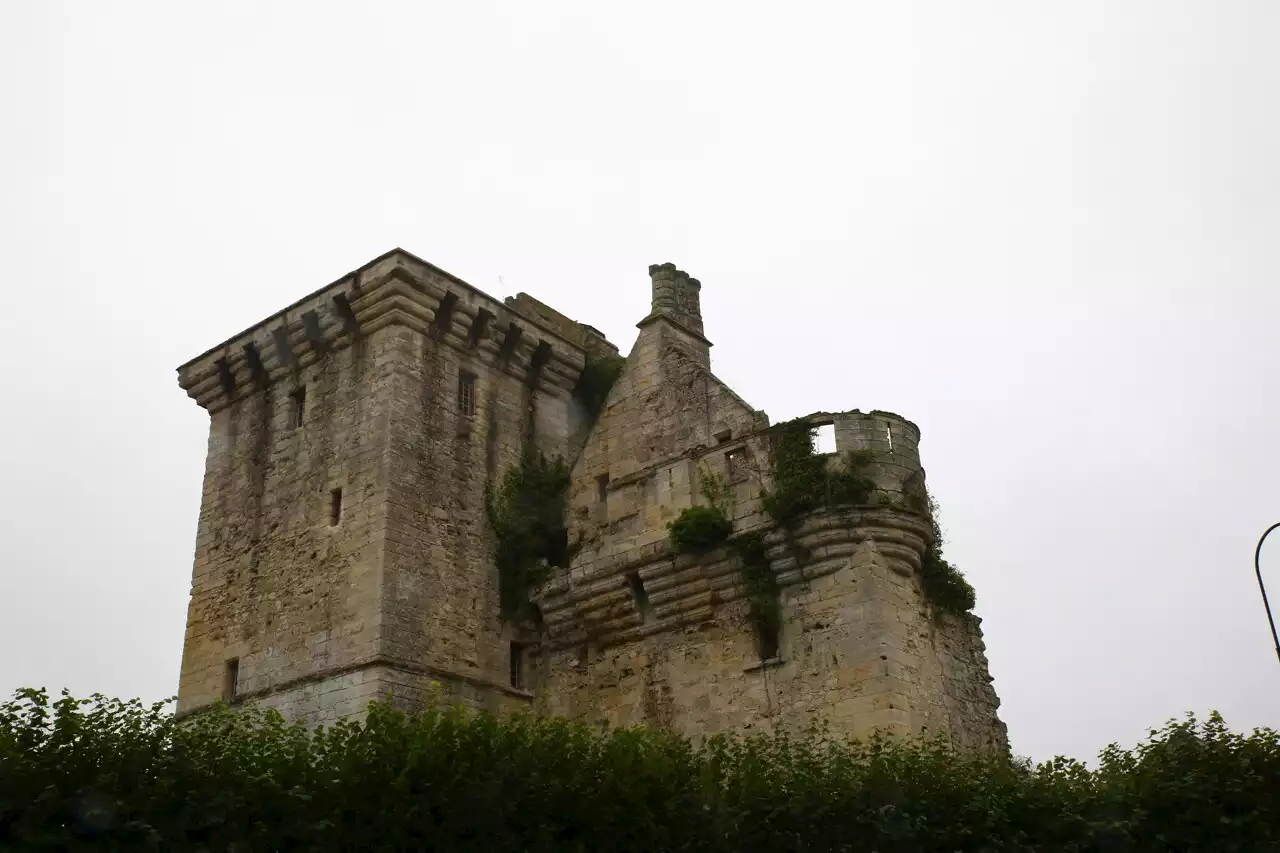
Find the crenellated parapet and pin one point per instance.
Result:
(395, 289)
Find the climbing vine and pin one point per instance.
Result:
(700, 529)
(598, 375)
(526, 512)
(802, 481)
(760, 583)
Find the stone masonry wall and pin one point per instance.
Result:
(275, 584)
(393, 593)
(325, 599)
(637, 633)
(440, 600)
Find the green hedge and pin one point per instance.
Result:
(104, 775)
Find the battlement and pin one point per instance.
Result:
(395, 288)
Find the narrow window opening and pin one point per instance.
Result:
(517, 666)
(335, 507)
(466, 394)
(826, 439)
(639, 596)
(602, 488)
(231, 680)
(584, 655)
(297, 407)
(767, 638)
(736, 461)
(888, 433)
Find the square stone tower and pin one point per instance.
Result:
(345, 552)
(342, 552)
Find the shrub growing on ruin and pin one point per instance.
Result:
(944, 585)
(699, 529)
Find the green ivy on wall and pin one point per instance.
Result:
(760, 582)
(527, 512)
(802, 480)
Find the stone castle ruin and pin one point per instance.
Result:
(414, 488)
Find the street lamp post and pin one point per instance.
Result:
(1257, 567)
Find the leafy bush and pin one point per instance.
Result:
(103, 775)
(699, 529)
(526, 513)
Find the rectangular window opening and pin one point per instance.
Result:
(297, 407)
(888, 434)
(602, 488)
(231, 680)
(825, 441)
(335, 507)
(466, 394)
(736, 462)
(517, 666)
(639, 596)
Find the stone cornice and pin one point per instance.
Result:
(394, 289)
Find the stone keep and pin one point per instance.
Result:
(344, 552)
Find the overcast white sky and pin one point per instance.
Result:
(1046, 232)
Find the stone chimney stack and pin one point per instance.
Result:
(675, 295)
